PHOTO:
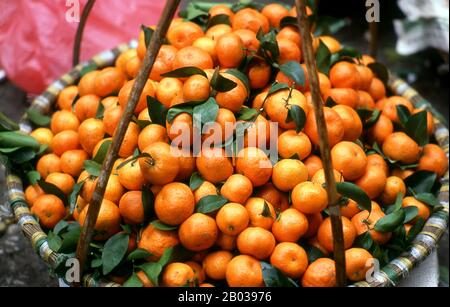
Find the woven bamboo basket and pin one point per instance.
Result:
(390, 275)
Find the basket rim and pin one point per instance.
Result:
(390, 275)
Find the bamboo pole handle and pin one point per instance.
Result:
(80, 30)
(142, 77)
(333, 197)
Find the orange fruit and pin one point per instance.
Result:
(86, 85)
(108, 221)
(400, 147)
(164, 62)
(377, 89)
(373, 181)
(178, 274)
(424, 211)
(221, 9)
(196, 88)
(343, 96)
(198, 271)
(349, 159)
(365, 101)
(192, 56)
(366, 75)
(332, 44)
(49, 209)
(133, 66)
(291, 143)
(433, 159)
(353, 126)
(130, 176)
(270, 194)
(187, 164)
(184, 34)
(288, 173)
(314, 164)
(314, 222)
(64, 120)
(43, 135)
(226, 242)
(290, 33)
(275, 12)
(47, 164)
(258, 134)
(144, 115)
(289, 51)
(325, 234)
(123, 58)
(32, 192)
(237, 189)
(156, 241)
(111, 118)
(290, 226)
(168, 89)
(319, 177)
(86, 107)
(430, 121)
(91, 132)
(335, 125)
(131, 207)
(250, 42)
(174, 203)
(403, 174)
(320, 273)
(215, 264)
(278, 104)
(365, 221)
(259, 74)
(367, 59)
(255, 165)
(109, 81)
(382, 129)
(232, 219)
(205, 189)
(256, 208)
(64, 141)
(230, 50)
(161, 167)
(377, 161)
(213, 165)
(216, 31)
(394, 186)
(224, 120)
(207, 44)
(244, 271)
(66, 97)
(357, 263)
(198, 232)
(390, 107)
(233, 100)
(250, 19)
(345, 75)
(72, 162)
(62, 181)
(350, 209)
(181, 128)
(146, 283)
(257, 242)
(124, 94)
(309, 198)
(130, 140)
(290, 258)
(151, 134)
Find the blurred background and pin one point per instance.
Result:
(413, 39)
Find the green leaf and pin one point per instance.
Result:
(390, 222)
(269, 46)
(177, 110)
(70, 239)
(50, 188)
(96, 263)
(266, 210)
(33, 177)
(355, 193)
(403, 114)
(161, 226)
(364, 241)
(100, 111)
(274, 278)
(152, 270)
(157, 111)
(373, 119)
(323, 58)
(148, 201)
(380, 71)
(415, 230)
(241, 76)
(74, 195)
(218, 20)
(113, 252)
(60, 227)
(194, 11)
(143, 123)
(410, 213)
(211, 203)
(416, 128)
(148, 33)
(133, 159)
(276, 87)
(246, 114)
(185, 72)
(92, 167)
(421, 182)
(102, 151)
(196, 181)
(13, 139)
(288, 21)
(54, 241)
(397, 205)
(313, 253)
(87, 69)
(294, 71)
(7, 124)
(23, 155)
(206, 112)
(138, 254)
(221, 84)
(429, 199)
(133, 282)
(298, 115)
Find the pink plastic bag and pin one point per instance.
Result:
(36, 36)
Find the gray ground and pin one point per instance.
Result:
(20, 266)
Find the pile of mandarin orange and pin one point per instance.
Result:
(271, 213)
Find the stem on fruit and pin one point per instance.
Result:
(333, 196)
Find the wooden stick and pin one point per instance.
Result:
(373, 39)
(333, 197)
(80, 30)
(142, 77)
